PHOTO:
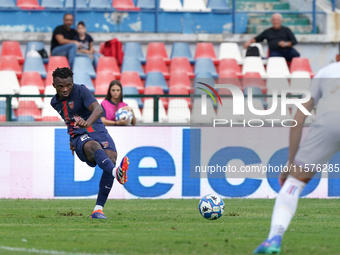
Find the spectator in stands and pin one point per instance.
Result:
(63, 43)
(280, 39)
(86, 42)
(114, 101)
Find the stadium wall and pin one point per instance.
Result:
(36, 163)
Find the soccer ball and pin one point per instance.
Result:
(211, 207)
(124, 114)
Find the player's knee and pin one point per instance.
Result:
(90, 148)
(112, 155)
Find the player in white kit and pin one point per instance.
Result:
(321, 143)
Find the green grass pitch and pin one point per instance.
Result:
(162, 227)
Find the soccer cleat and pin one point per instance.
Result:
(122, 170)
(98, 215)
(272, 246)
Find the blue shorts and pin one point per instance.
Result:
(102, 137)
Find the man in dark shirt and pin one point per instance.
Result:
(280, 39)
(62, 43)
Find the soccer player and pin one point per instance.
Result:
(88, 135)
(321, 143)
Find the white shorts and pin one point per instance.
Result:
(322, 141)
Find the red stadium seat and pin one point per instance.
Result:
(57, 61)
(101, 90)
(206, 50)
(157, 65)
(29, 108)
(229, 77)
(104, 79)
(10, 63)
(2, 118)
(101, 48)
(155, 90)
(49, 79)
(33, 78)
(180, 90)
(180, 64)
(108, 64)
(254, 80)
(132, 79)
(301, 64)
(124, 5)
(12, 48)
(230, 64)
(179, 80)
(29, 4)
(157, 50)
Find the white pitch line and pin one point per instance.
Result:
(33, 250)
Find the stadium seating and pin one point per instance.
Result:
(178, 111)
(31, 90)
(148, 111)
(300, 80)
(49, 79)
(156, 79)
(196, 114)
(52, 4)
(26, 118)
(81, 4)
(132, 79)
(205, 78)
(254, 80)
(7, 4)
(146, 4)
(277, 81)
(179, 80)
(33, 79)
(108, 64)
(179, 90)
(35, 65)
(229, 77)
(132, 102)
(301, 64)
(229, 64)
(256, 91)
(226, 110)
(206, 50)
(84, 64)
(259, 46)
(253, 65)
(157, 50)
(29, 4)
(10, 63)
(134, 49)
(218, 5)
(278, 65)
(231, 50)
(28, 108)
(57, 61)
(35, 45)
(182, 50)
(99, 4)
(157, 65)
(49, 90)
(3, 108)
(132, 91)
(156, 90)
(124, 5)
(181, 64)
(101, 90)
(9, 80)
(83, 78)
(12, 48)
(204, 65)
(103, 80)
(195, 5)
(133, 65)
(171, 5)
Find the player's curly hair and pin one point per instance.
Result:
(62, 73)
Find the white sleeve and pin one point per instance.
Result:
(315, 87)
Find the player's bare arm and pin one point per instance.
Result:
(96, 110)
(295, 137)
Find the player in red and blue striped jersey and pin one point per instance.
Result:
(88, 135)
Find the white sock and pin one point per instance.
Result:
(98, 207)
(285, 206)
(114, 172)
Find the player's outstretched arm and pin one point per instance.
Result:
(96, 110)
